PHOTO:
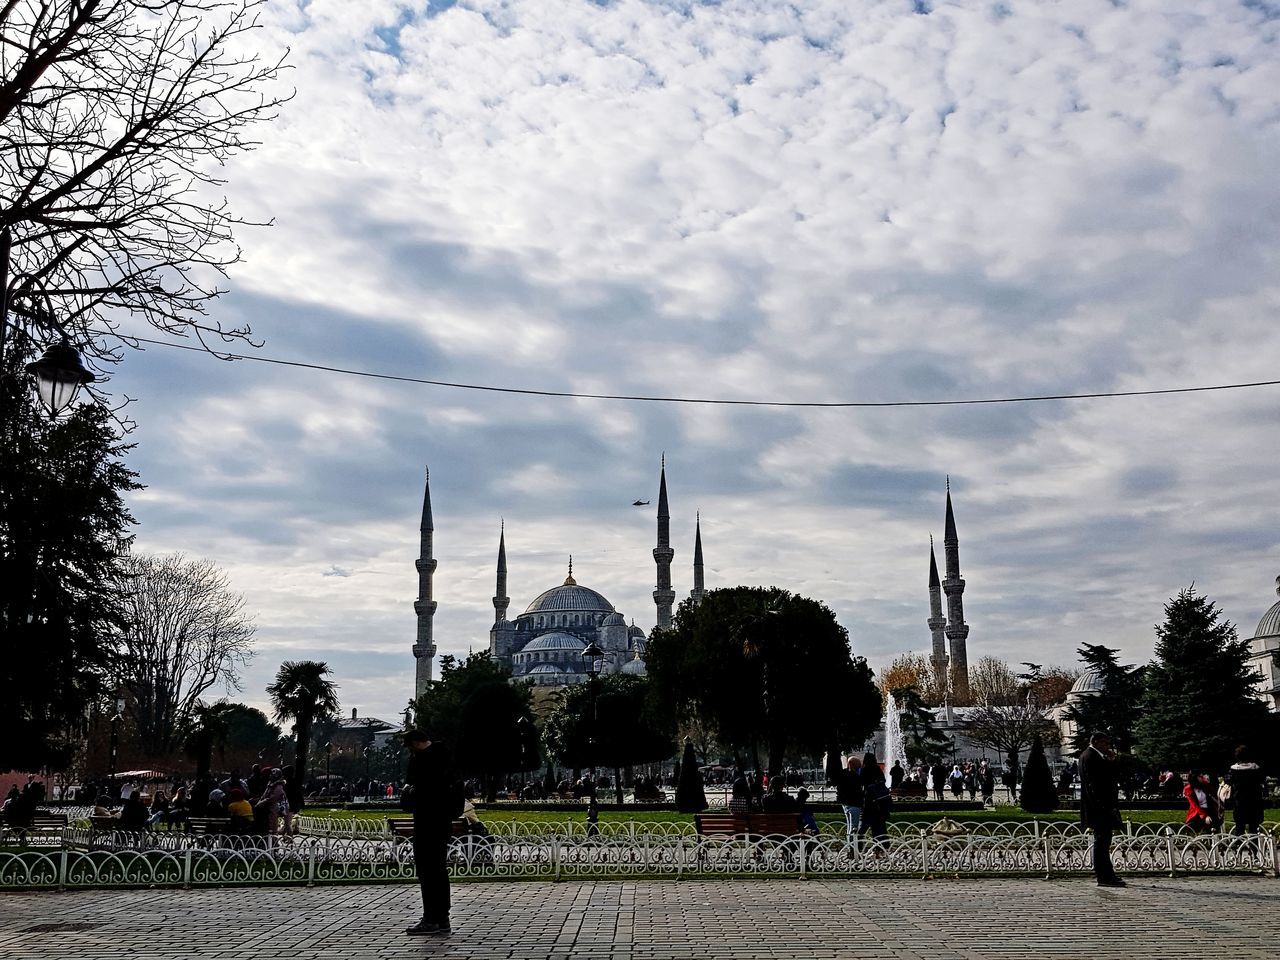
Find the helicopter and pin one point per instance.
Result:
(639, 503)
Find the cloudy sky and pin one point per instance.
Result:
(819, 201)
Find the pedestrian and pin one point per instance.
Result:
(740, 793)
(293, 795)
(1246, 780)
(1100, 804)
(1204, 812)
(937, 778)
(436, 799)
(988, 786)
(896, 775)
(275, 801)
(876, 800)
(848, 783)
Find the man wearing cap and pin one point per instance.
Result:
(1100, 804)
(436, 801)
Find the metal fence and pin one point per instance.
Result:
(118, 859)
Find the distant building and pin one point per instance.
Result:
(545, 643)
(1264, 655)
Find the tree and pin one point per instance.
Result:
(485, 719)
(1008, 729)
(1198, 701)
(923, 740)
(761, 666)
(63, 530)
(187, 633)
(1050, 686)
(303, 692)
(1113, 707)
(117, 116)
(250, 737)
(912, 670)
(991, 682)
(611, 723)
(690, 796)
(1038, 792)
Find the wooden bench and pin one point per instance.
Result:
(207, 826)
(402, 827)
(43, 825)
(750, 827)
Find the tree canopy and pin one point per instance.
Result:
(763, 667)
(118, 116)
(1198, 700)
(1114, 707)
(302, 692)
(64, 528)
(920, 734)
(486, 721)
(612, 725)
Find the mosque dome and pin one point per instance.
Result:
(1089, 682)
(613, 619)
(569, 597)
(553, 641)
(1269, 625)
(634, 631)
(635, 666)
(543, 668)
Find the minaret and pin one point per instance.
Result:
(957, 629)
(696, 593)
(937, 622)
(663, 596)
(424, 650)
(500, 599)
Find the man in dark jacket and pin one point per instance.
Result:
(437, 801)
(1100, 804)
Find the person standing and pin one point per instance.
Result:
(896, 775)
(1246, 780)
(1100, 804)
(848, 784)
(436, 800)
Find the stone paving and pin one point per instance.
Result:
(1236, 917)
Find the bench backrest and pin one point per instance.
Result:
(725, 824)
(403, 826)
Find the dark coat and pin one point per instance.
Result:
(437, 794)
(1099, 791)
(848, 787)
(1246, 781)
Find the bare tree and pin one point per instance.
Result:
(992, 682)
(912, 670)
(1007, 729)
(116, 117)
(187, 633)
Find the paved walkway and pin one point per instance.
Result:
(1234, 917)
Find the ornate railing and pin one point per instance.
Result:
(119, 859)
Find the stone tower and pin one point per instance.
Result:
(696, 593)
(663, 596)
(937, 621)
(957, 629)
(424, 650)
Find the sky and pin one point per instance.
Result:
(859, 201)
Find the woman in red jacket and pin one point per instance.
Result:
(1204, 813)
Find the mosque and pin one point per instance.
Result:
(546, 643)
(1264, 654)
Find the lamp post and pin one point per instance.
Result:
(60, 372)
(328, 768)
(593, 660)
(115, 740)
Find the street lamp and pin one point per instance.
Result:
(593, 660)
(328, 768)
(59, 376)
(115, 740)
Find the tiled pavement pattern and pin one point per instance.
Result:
(1236, 917)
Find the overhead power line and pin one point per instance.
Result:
(833, 404)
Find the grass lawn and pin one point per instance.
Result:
(498, 815)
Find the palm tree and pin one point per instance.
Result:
(302, 693)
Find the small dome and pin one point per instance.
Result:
(634, 631)
(553, 641)
(634, 666)
(1087, 683)
(1269, 625)
(543, 668)
(613, 619)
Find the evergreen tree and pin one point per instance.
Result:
(1114, 707)
(690, 797)
(1038, 792)
(1198, 703)
(64, 528)
(923, 740)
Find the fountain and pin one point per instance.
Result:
(895, 748)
